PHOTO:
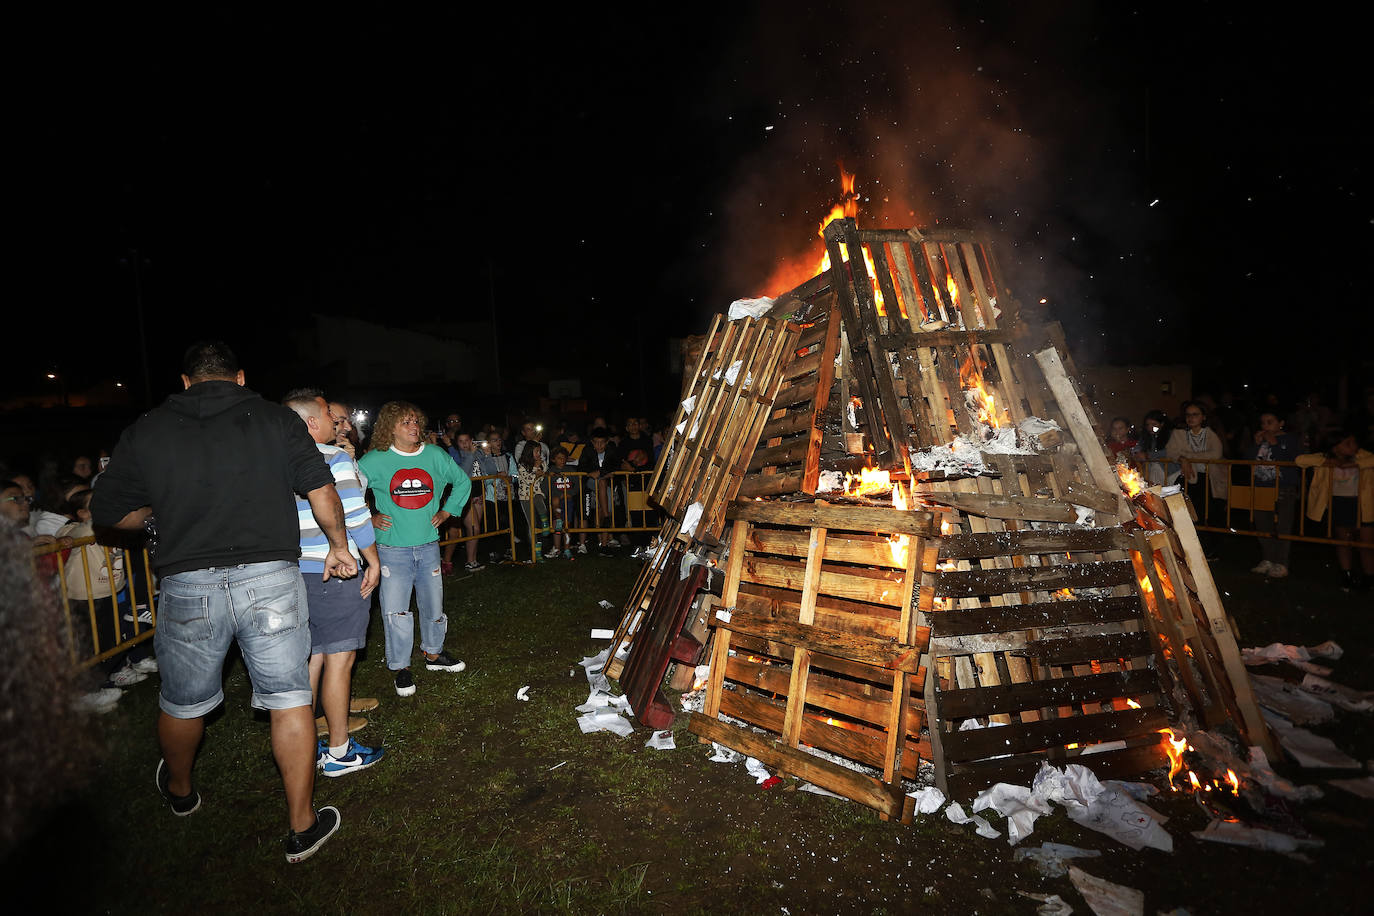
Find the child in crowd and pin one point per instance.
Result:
(1343, 477)
(562, 504)
(1122, 445)
(529, 475)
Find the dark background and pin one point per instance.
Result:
(1182, 184)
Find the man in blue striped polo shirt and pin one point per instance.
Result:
(338, 608)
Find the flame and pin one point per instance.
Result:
(971, 381)
(1197, 783)
(945, 527)
(897, 543)
(698, 684)
(1234, 781)
(953, 290)
(1064, 594)
(1131, 481)
(867, 482)
(1174, 746)
(786, 277)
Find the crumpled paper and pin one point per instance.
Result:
(1309, 750)
(722, 754)
(955, 812)
(1106, 898)
(661, 741)
(1238, 834)
(757, 770)
(928, 799)
(690, 518)
(750, 308)
(1018, 804)
(1290, 701)
(1051, 859)
(607, 719)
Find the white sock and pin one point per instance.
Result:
(340, 752)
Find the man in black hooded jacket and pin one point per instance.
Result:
(220, 467)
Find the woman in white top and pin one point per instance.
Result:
(1191, 447)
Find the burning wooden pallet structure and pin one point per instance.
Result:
(983, 593)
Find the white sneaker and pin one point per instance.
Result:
(123, 677)
(98, 701)
(147, 665)
(1263, 567)
(1277, 571)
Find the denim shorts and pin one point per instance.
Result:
(202, 612)
(338, 614)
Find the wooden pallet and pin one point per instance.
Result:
(1186, 606)
(734, 384)
(1017, 643)
(787, 457)
(660, 639)
(817, 644)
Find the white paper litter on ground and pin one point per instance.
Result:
(606, 604)
(1259, 770)
(749, 308)
(1307, 749)
(723, 754)
(1290, 701)
(1298, 656)
(1105, 898)
(817, 790)
(1052, 859)
(661, 741)
(757, 770)
(523, 694)
(928, 799)
(1363, 787)
(955, 812)
(605, 720)
(1347, 698)
(1097, 807)
(1017, 804)
(602, 633)
(690, 518)
(1235, 833)
(1050, 904)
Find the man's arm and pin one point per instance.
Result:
(328, 511)
(372, 574)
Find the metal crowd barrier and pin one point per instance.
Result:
(100, 627)
(1248, 498)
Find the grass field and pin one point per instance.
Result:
(491, 805)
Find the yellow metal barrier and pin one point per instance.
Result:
(99, 626)
(1249, 498)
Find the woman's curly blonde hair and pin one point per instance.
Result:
(394, 412)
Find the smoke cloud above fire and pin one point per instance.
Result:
(946, 118)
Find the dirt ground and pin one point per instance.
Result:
(489, 804)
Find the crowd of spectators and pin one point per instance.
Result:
(1337, 446)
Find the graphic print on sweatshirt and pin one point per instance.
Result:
(412, 488)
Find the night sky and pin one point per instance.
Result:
(1183, 184)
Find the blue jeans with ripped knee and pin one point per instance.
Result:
(406, 570)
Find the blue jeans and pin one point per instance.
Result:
(405, 569)
(202, 612)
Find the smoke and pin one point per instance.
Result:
(948, 119)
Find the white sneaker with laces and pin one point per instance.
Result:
(127, 675)
(1277, 571)
(1263, 567)
(146, 665)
